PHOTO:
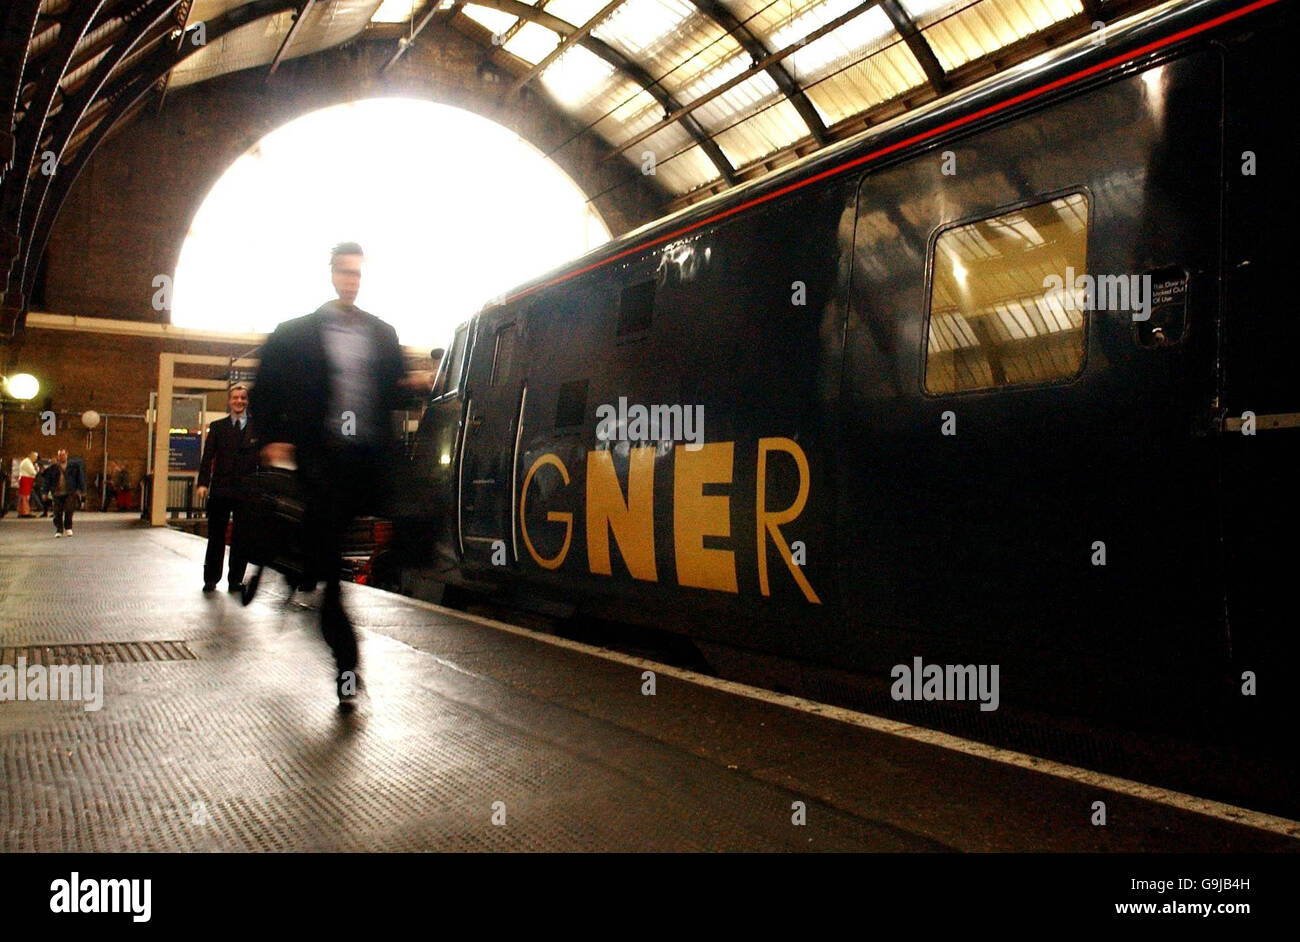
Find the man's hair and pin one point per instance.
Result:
(239, 385)
(344, 248)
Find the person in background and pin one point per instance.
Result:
(325, 387)
(26, 478)
(40, 492)
(66, 483)
(121, 482)
(229, 460)
(110, 485)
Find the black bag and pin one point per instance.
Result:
(274, 533)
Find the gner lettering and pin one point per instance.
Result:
(696, 515)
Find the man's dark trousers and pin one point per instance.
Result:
(339, 488)
(63, 506)
(220, 510)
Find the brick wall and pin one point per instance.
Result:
(111, 373)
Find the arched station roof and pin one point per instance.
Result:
(712, 92)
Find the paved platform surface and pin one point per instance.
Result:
(241, 746)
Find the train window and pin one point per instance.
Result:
(636, 308)
(571, 406)
(995, 318)
(503, 355)
(448, 381)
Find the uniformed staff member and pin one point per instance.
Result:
(229, 460)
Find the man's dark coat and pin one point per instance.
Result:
(229, 458)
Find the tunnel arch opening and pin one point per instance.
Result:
(451, 209)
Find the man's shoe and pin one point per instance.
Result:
(67, 533)
(58, 533)
(234, 587)
(209, 587)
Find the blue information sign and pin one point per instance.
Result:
(184, 451)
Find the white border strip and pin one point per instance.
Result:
(1164, 796)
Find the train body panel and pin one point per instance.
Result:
(663, 498)
(1027, 480)
(958, 390)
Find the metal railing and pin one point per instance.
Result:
(181, 499)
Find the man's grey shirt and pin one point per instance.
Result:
(350, 351)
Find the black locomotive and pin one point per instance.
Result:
(1006, 381)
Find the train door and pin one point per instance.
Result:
(1260, 441)
(487, 451)
(1029, 368)
(431, 529)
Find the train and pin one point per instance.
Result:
(1006, 382)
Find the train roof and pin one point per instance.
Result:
(1143, 32)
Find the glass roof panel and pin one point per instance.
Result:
(857, 38)
(395, 11)
(707, 82)
(698, 45)
(818, 14)
(748, 11)
(577, 77)
(637, 111)
(650, 32)
(976, 29)
(736, 103)
(257, 43)
(639, 25)
(767, 131)
(494, 20)
(685, 172)
(800, 17)
(925, 12)
(662, 144)
(632, 115)
(602, 114)
(703, 51)
(532, 43)
(576, 12)
(849, 92)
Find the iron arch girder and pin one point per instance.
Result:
(29, 132)
(19, 26)
(125, 94)
(633, 71)
(917, 43)
(73, 111)
(121, 15)
(660, 94)
(45, 84)
(794, 93)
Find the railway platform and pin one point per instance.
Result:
(218, 730)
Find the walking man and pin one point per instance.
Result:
(325, 387)
(65, 481)
(229, 460)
